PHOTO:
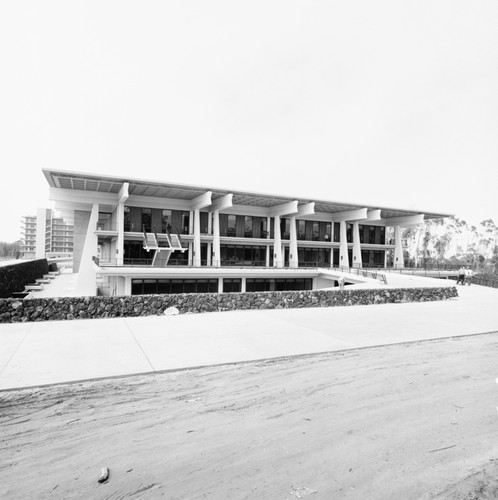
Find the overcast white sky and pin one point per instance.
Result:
(392, 103)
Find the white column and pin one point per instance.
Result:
(191, 222)
(86, 282)
(293, 256)
(208, 258)
(399, 262)
(277, 244)
(343, 246)
(357, 262)
(210, 223)
(120, 242)
(197, 238)
(190, 253)
(216, 239)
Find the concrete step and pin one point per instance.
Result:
(33, 287)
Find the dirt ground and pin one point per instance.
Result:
(409, 421)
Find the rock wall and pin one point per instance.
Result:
(67, 308)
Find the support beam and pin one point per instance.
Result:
(202, 201)
(373, 215)
(305, 210)
(350, 215)
(222, 203)
(123, 194)
(290, 208)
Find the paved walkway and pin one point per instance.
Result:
(33, 354)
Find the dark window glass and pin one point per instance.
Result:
(231, 225)
(185, 223)
(127, 219)
(146, 219)
(150, 286)
(166, 221)
(248, 227)
(137, 287)
(232, 284)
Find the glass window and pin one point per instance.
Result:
(166, 221)
(301, 229)
(185, 223)
(150, 286)
(127, 219)
(232, 285)
(231, 224)
(146, 219)
(248, 226)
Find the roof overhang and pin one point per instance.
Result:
(106, 188)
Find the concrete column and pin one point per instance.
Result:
(220, 285)
(120, 227)
(399, 262)
(190, 253)
(293, 255)
(86, 283)
(243, 285)
(191, 222)
(277, 244)
(210, 223)
(216, 262)
(357, 262)
(343, 246)
(197, 238)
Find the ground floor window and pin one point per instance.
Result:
(232, 285)
(278, 284)
(153, 286)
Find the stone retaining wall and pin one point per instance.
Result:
(67, 308)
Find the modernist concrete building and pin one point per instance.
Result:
(45, 235)
(136, 236)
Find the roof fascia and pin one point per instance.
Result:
(78, 196)
(409, 220)
(163, 203)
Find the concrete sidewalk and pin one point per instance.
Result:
(33, 354)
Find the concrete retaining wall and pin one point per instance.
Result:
(66, 308)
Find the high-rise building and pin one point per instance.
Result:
(45, 235)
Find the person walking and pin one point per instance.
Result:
(461, 276)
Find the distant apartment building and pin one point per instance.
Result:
(45, 235)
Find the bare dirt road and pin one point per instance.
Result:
(407, 421)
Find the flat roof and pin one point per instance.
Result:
(66, 179)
